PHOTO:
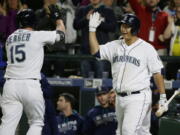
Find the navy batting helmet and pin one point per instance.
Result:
(26, 18)
(132, 21)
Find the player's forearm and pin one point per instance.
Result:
(60, 25)
(159, 81)
(94, 45)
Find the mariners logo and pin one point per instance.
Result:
(126, 58)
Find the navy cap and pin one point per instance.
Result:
(102, 90)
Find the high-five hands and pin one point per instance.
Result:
(94, 21)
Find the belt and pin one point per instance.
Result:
(123, 94)
(22, 79)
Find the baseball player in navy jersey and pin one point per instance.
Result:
(50, 124)
(133, 62)
(69, 121)
(101, 119)
(22, 89)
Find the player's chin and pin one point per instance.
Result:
(125, 36)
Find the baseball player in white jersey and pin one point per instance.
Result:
(133, 62)
(22, 90)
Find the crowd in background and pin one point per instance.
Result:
(159, 26)
(162, 30)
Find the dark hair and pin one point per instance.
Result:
(69, 98)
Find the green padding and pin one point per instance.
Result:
(169, 126)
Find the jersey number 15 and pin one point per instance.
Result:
(17, 53)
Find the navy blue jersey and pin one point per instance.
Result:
(50, 123)
(100, 121)
(46, 88)
(71, 125)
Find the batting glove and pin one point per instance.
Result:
(55, 12)
(162, 101)
(94, 21)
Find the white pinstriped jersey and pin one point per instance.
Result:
(132, 66)
(25, 53)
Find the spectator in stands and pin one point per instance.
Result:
(69, 121)
(154, 22)
(81, 23)
(3, 24)
(120, 7)
(84, 2)
(170, 8)
(9, 10)
(76, 2)
(33, 4)
(68, 15)
(108, 3)
(173, 31)
(177, 3)
(101, 119)
(44, 22)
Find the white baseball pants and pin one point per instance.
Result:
(134, 113)
(19, 95)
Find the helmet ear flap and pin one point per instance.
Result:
(134, 31)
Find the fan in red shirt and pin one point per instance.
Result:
(153, 23)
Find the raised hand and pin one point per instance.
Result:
(94, 21)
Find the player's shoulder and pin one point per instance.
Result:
(114, 42)
(43, 33)
(20, 31)
(146, 44)
(147, 47)
(60, 116)
(77, 116)
(94, 110)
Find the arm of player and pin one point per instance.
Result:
(60, 31)
(60, 25)
(159, 81)
(94, 21)
(94, 45)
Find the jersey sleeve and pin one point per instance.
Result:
(154, 62)
(106, 51)
(47, 37)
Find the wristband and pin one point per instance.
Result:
(92, 29)
(162, 96)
